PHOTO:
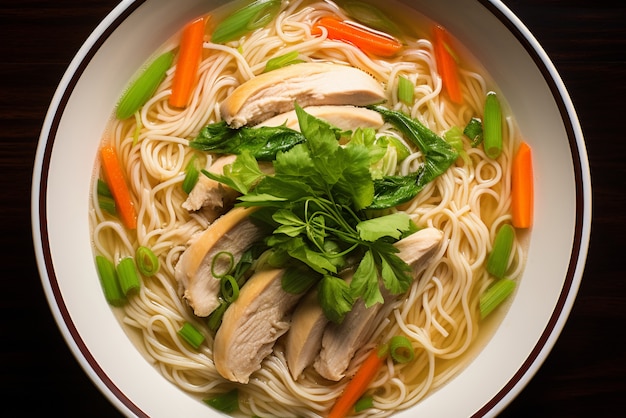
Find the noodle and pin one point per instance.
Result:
(439, 313)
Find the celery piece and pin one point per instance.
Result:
(454, 137)
(369, 15)
(498, 260)
(495, 295)
(147, 262)
(109, 281)
(405, 90)
(492, 126)
(190, 334)
(144, 86)
(128, 276)
(247, 19)
(226, 402)
(401, 349)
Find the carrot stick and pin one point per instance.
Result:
(359, 383)
(360, 36)
(522, 191)
(446, 64)
(114, 177)
(189, 57)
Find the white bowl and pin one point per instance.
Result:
(68, 147)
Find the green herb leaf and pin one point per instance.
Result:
(391, 191)
(365, 281)
(335, 298)
(384, 226)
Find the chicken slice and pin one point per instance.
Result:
(346, 118)
(233, 232)
(252, 324)
(304, 340)
(308, 84)
(341, 341)
(210, 193)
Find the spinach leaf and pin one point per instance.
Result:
(263, 143)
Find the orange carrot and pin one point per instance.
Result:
(189, 56)
(446, 64)
(362, 37)
(359, 383)
(114, 177)
(522, 191)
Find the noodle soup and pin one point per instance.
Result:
(451, 183)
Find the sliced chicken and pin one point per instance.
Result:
(341, 341)
(308, 84)
(252, 324)
(210, 193)
(232, 232)
(346, 118)
(304, 339)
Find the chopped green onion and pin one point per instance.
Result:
(229, 288)
(107, 204)
(190, 334)
(369, 15)
(105, 198)
(365, 402)
(215, 318)
(498, 260)
(251, 17)
(282, 61)
(227, 402)
(192, 173)
(405, 90)
(231, 263)
(495, 295)
(128, 276)
(474, 131)
(108, 279)
(147, 262)
(103, 189)
(144, 86)
(492, 125)
(401, 349)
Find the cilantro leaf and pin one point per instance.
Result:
(384, 226)
(335, 298)
(365, 281)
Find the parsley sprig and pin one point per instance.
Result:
(317, 203)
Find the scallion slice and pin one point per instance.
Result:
(498, 260)
(406, 89)
(190, 334)
(144, 86)
(474, 131)
(227, 402)
(128, 276)
(253, 16)
(495, 295)
(401, 349)
(229, 288)
(108, 279)
(192, 173)
(225, 255)
(364, 402)
(147, 262)
(215, 318)
(492, 126)
(282, 61)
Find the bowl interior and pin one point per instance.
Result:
(134, 30)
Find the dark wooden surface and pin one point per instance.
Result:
(585, 374)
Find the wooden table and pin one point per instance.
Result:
(585, 374)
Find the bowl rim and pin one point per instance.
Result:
(534, 360)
